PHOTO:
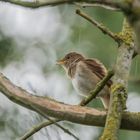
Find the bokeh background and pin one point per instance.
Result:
(31, 40)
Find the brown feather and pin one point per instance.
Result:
(97, 68)
(72, 67)
(71, 71)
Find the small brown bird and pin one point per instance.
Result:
(85, 74)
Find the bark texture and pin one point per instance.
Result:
(73, 113)
(118, 89)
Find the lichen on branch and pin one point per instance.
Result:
(118, 89)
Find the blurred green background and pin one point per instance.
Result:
(30, 43)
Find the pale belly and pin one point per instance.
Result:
(84, 83)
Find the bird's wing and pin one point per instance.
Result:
(97, 68)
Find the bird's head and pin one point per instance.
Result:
(70, 59)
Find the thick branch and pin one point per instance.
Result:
(38, 3)
(118, 90)
(131, 9)
(73, 113)
(41, 3)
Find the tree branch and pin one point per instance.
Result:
(100, 26)
(61, 127)
(118, 90)
(133, 15)
(40, 3)
(37, 3)
(105, 6)
(35, 129)
(73, 113)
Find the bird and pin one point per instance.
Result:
(85, 73)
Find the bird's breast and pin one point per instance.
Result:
(84, 80)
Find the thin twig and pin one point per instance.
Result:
(118, 37)
(58, 125)
(61, 127)
(102, 5)
(100, 26)
(35, 129)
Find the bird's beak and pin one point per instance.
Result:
(60, 62)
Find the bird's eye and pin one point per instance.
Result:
(68, 57)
